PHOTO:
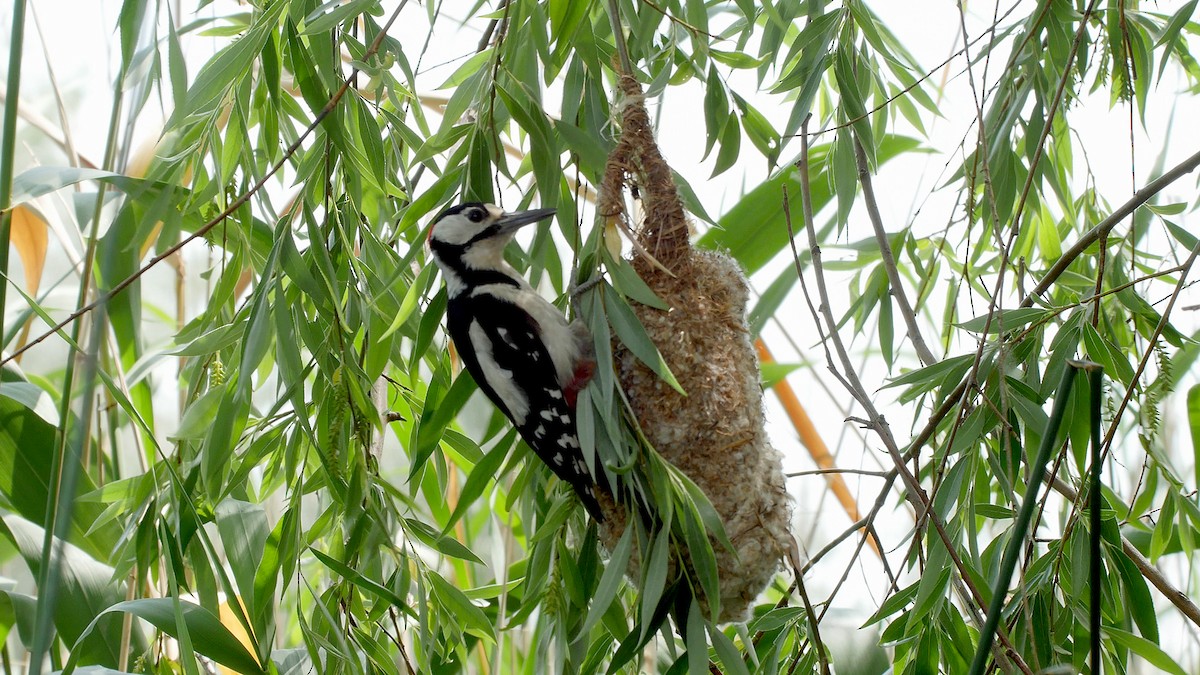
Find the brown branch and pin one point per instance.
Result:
(1104, 227)
(813, 623)
(857, 472)
(689, 27)
(889, 260)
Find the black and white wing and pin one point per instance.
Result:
(500, 345)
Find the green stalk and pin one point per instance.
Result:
(614, 16)
(1012, 550)
(67, 463)
(1096, 380)
(9, 140)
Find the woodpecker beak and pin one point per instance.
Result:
(509, 222)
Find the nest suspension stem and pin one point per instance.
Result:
(614, 17)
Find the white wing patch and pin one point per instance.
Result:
(500, 379)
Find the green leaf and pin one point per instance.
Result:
(1145, 649)
(1137, 594)
(753, 231)
(736, 59)
(436, 416)
(329, 15)
(411, 299)
(86, 591)
(654, 578)
(199, 415)
(209, 637)
(475, 621)
(633, 335)
(730, 146)
(727, 653)
(1106, 354)
(355, 577)
(482, 473)
(1168, 209)
(626, 280)
(934, 374)
(28, 444)
(697, 643)
(773, 373)
(1006, 320)
(224, 70)
(1193, 413)
(610, 581)
(853, 104)
(894, 603)
(41, 180)
(994, 511)
(443, 544)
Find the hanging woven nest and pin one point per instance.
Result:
(715, 433)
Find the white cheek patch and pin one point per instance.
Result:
(455, 230)
(500, 379)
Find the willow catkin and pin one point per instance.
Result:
(715, 433)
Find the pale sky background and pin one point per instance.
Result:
(81, 42)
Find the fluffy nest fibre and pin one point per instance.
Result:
(714, 434)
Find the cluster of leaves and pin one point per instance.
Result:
(320, 501)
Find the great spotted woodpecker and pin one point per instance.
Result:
(519, 348)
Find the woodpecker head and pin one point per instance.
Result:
(468, 240)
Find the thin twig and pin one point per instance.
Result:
(813, 624)
(689, 27)
(486, 38)
(849, 505)
(1154, 336)
(859, 472)
(803, 423)
(889, 260)
(233, 206)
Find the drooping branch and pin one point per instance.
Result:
(1104, 227)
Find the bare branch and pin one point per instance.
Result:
(889, 260)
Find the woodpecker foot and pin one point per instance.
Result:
(585, 286)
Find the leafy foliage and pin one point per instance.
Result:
(299, 476)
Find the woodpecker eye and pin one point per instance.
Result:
(475, 215)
